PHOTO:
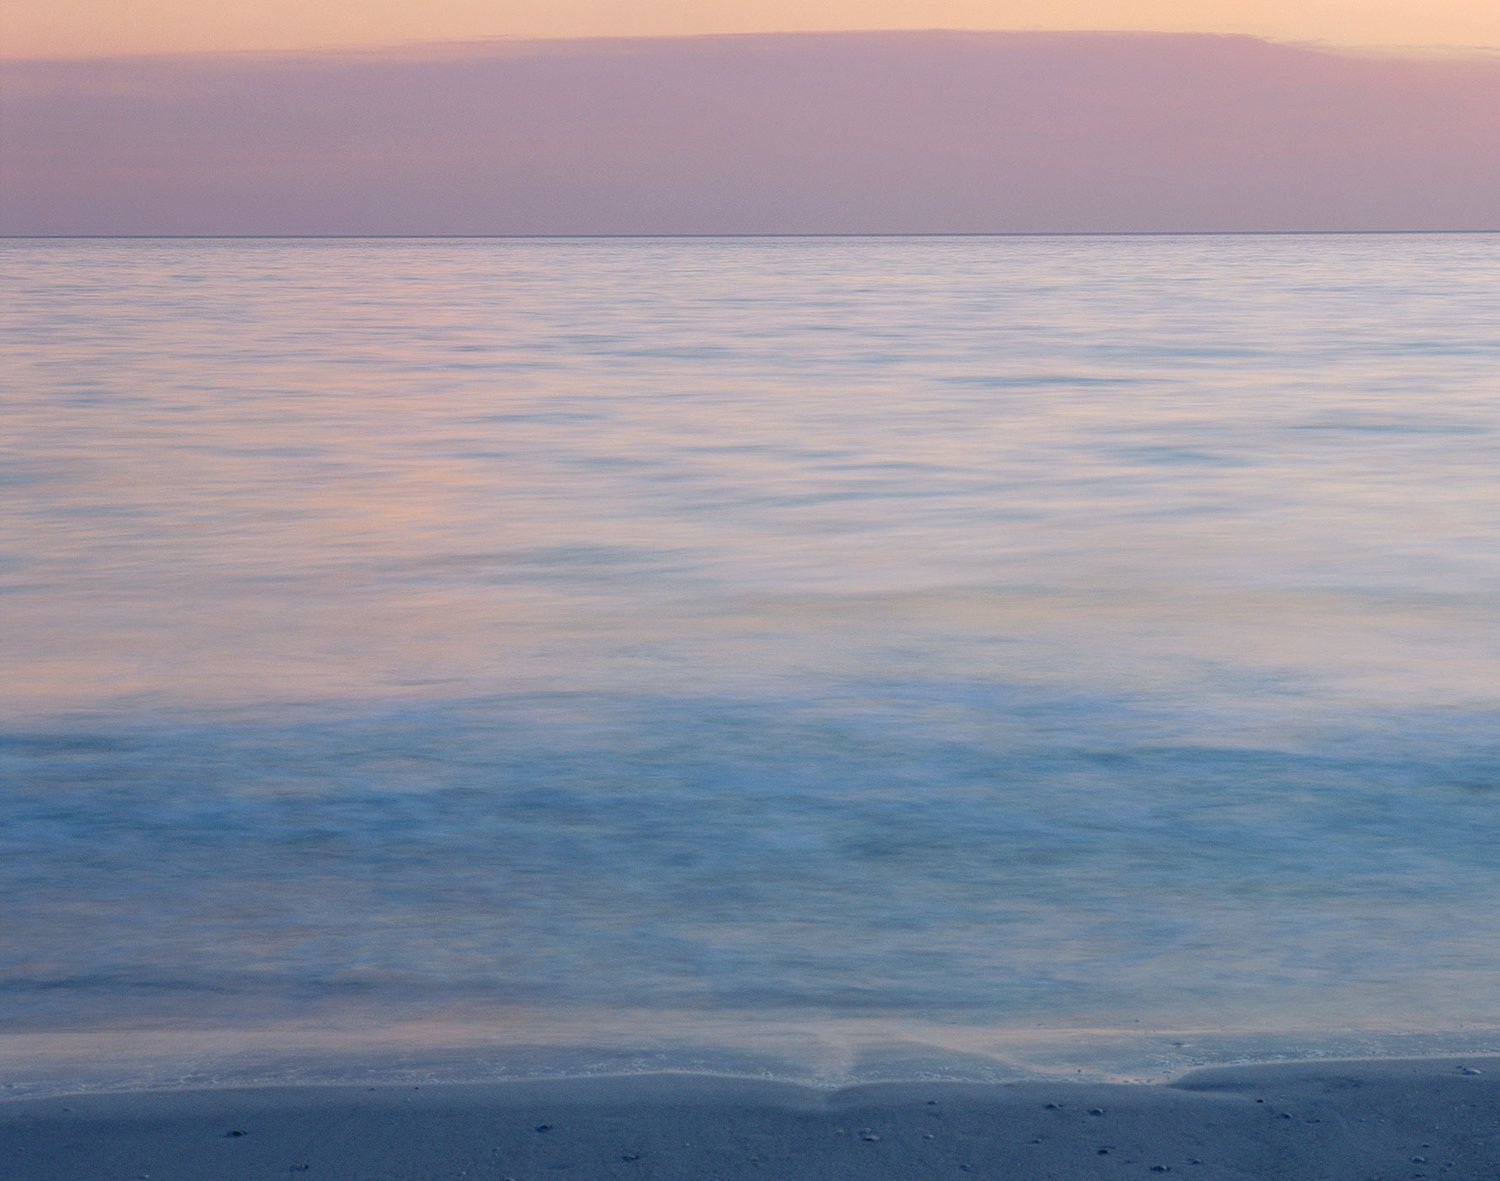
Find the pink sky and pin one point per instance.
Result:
(89, 28)
(848, 132)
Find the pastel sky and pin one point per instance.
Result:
(771, 133)
(70, 28)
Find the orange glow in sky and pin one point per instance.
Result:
(92, 28)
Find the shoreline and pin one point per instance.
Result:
(1335, 1120)
(363, 1048)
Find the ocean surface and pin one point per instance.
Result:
(800, 647)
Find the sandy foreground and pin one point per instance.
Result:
(1356, 1120)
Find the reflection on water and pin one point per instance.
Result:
(1066, 632)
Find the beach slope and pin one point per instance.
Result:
(1332, 1121)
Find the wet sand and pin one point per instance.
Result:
(1329, 1121)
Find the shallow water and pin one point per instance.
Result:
(641, 636)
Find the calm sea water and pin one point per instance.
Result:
(634, 639)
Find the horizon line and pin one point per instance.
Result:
(748, 234)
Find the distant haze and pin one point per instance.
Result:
(796, 133)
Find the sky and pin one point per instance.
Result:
(747, 116)
(92, 28)
(771, 133)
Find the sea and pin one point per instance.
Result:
(809, 657)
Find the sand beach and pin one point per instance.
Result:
(1355, 1120)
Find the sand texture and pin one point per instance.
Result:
(1354, 1120)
